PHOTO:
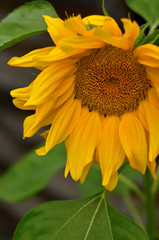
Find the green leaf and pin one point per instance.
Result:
(24, 22)
(31, 174)
(153, 38)
(147, 9)
(93, 182)
(91, 218)
(141, 37)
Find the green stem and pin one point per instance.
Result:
(155, 185)
(133, 211)
(132, 186)
(149, 205)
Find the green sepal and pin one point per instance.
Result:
(142, 36)
(153, 38)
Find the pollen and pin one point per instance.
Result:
(111, 81)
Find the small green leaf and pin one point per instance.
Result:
(91, 218)
(141, 37)
(31, 174)
(147, 9)
(24, 22)
(153, 38)
(93, 182)
(104, 9)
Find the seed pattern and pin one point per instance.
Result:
(111, 81)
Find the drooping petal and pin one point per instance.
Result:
(112, 182)
(78, 44)
(82, 142)
(48, 80)
(46, 112)
(31, 59)
(56, 29)
(63, 124)
(111, 153)
(152, 167)
(133, 140)
(85, 171)
(151, 116)
(148, 55)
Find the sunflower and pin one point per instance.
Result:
(97, 93)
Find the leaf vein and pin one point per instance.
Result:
(109, 222)
(69, 219)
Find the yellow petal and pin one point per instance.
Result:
(31, 59)
(153, 75)
(112, 27)
(76, 25)
(133, 140)
(153, 97)
(22, 93)
(112, 183)
(63, 124)
(103, 35)
(97, 20)
(111, 154)
(85, 172)
(78, 44)
(152, 167)
(114, 37)
(48, 80)
(151, 115)
(82, 142)
(45, 134)
(19, 103)
(56, 29)
(63, 87)
(27, 125)
(132, 30)
(46, 112)
(148, 55)
(67, 169)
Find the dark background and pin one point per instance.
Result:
(12, 147)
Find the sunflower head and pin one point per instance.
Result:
(97, 93)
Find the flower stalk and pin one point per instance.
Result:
(149, 205)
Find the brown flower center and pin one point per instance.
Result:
(111, 81)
